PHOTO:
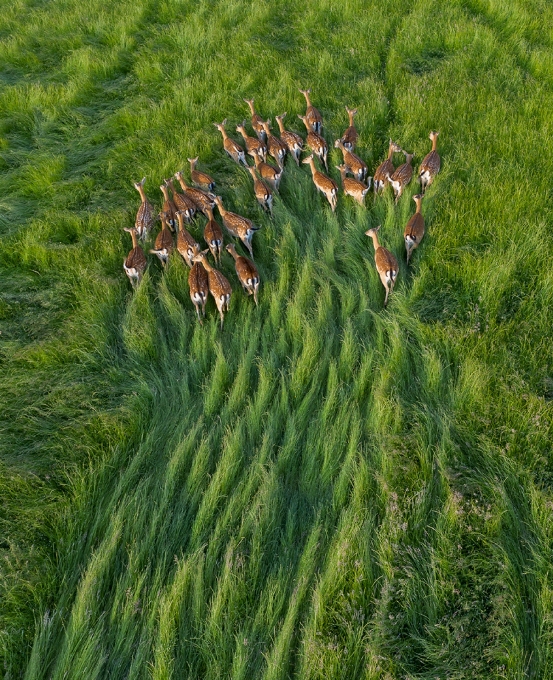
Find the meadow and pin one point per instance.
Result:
(326, 488)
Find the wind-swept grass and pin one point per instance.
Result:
(325, 489)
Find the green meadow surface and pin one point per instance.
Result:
(326, 488)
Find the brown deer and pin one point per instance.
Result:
(257, 122)
(356, 166)
(164, 241)
(169, 208)
(145, 217)
(323, 183)
(135, 263)
(386, 263)
(262, 192)
(414, 229)
(315, 142)
(234, 150)
(350, 136)
(185, 241)
(402, 176)
(430, 165)
(246, 271)
(219, 287)
(268, 173)
(202, 199)
(386, 168)
(213, 236)
(199, 178)
(182, 202)
(313, 117)
(353, 187)
(253, 144)
(276, 148)
(198, 284)
(238, 226)
(292, 140)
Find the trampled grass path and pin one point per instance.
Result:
(325, 489)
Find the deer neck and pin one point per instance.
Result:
(134, 238)
(182, 183)
(280, 125)
(376, 244)
(206, 264)
(434, 143)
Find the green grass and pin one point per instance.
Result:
(325, 489)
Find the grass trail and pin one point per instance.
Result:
(325, 489)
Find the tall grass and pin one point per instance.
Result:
(325, 488)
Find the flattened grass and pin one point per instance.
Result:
(327, 488)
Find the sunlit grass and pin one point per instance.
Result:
(324, 489)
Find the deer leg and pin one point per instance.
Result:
(197, 305)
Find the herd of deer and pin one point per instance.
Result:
(180, 208)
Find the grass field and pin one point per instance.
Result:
(326, 488)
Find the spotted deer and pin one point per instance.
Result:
(199, 178)
(386, 263)
(292, 140)
(219, 287)
(385, 168)
(234, 150)
(414, 229)
(350, 136)
(402, 176)
(353, 187)
(257, 122)
(324, 184)
(246, 271)
(198, 283)
(316, 143)
(313, 117)
(135, 263)
(430, 165)
(238, 226)
(164, 241)
(146, 216)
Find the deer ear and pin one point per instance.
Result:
(204, 252)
